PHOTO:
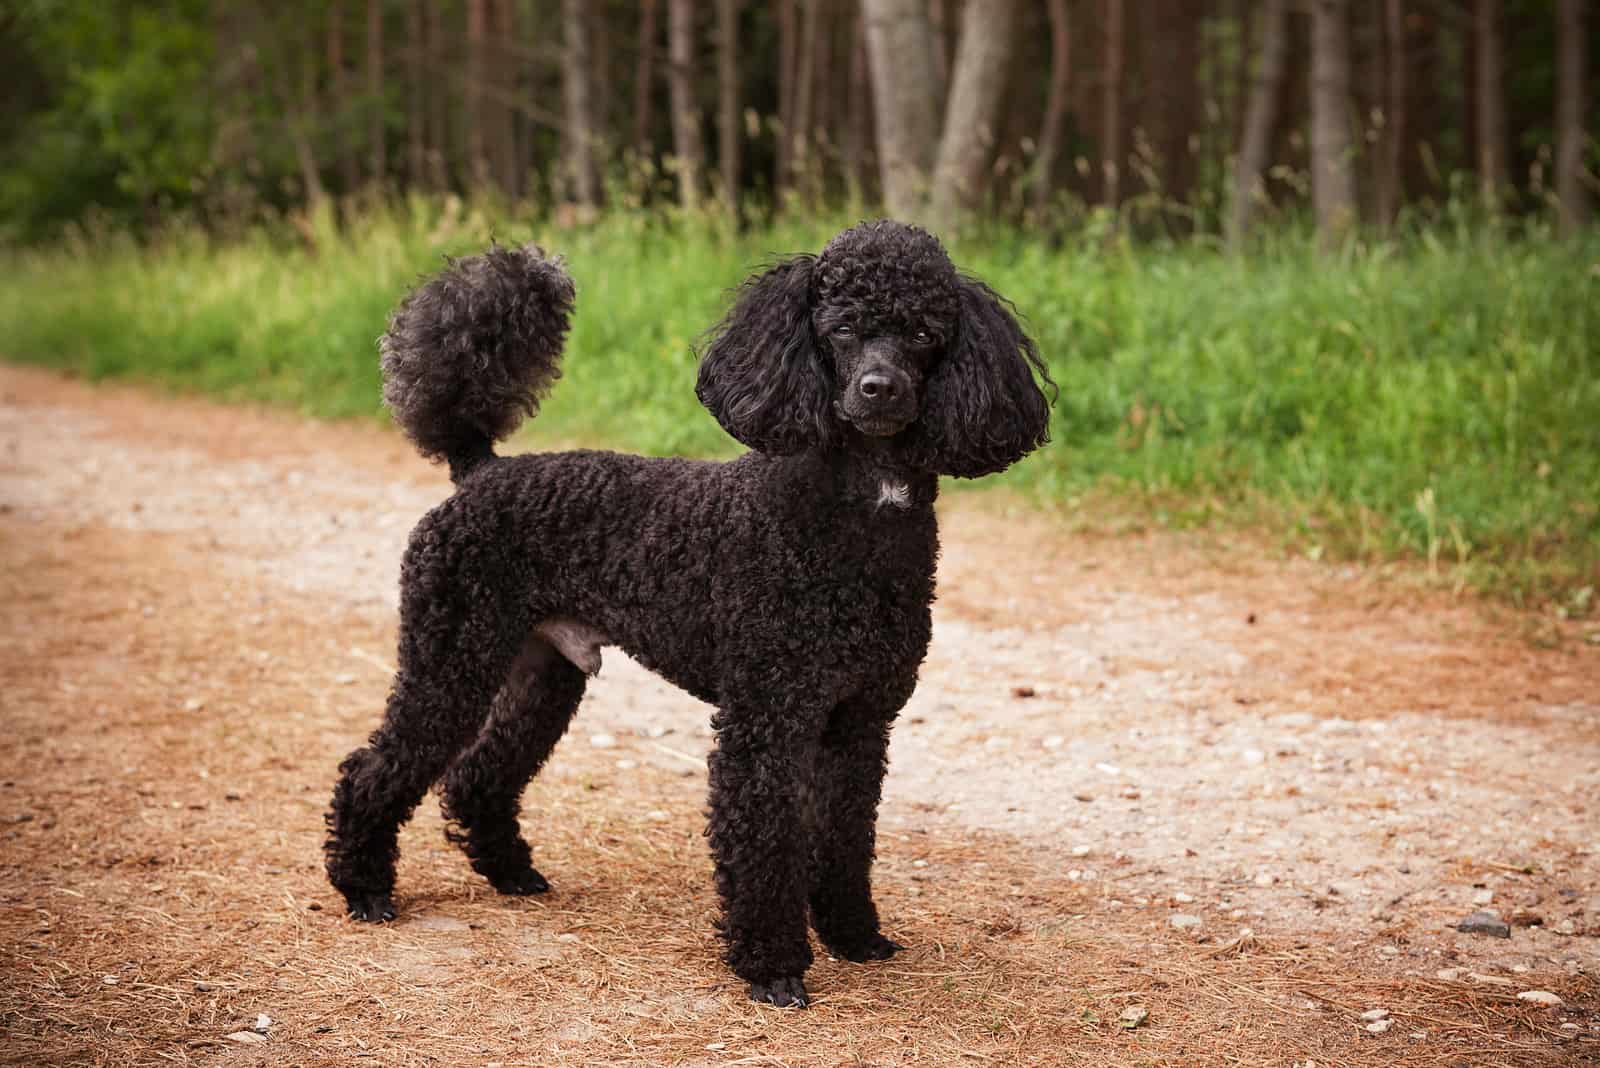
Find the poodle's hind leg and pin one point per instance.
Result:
(452, 661)
(483, 787)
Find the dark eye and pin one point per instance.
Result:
(922, 337)
(844, 330)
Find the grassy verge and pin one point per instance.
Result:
(1438, 398)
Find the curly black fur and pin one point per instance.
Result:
(790, 588)
(471, 352)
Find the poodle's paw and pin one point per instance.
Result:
(786, 992)
(522, 883)
(874, 947)
(370, 908)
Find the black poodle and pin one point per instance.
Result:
(790, 588)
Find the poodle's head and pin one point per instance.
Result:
(879, 343)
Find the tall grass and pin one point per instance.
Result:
(1439, 397)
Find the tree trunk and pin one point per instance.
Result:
(685, 115)
(1571, 138)
(858, 133)
(644, 80)
(504, 78)
(1168, 110)
(899, 45)
(477, 31)
(1111, 117)
(1390, 178)
(983, 57)
(805, 91)
(377, 133)
(416, 134)
(1055, 111)
(339, 102)
(577, 96)
(438, 110)
(1332, 184)
(1491, 103)
(728, 139)
(1260, 118)
(939, 24)
(788, 52)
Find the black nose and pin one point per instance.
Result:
(877, 386)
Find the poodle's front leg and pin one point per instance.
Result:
(850, 765)
(758, 842)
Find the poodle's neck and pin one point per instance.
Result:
(871, 479)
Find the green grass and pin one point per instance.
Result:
(1438, 399)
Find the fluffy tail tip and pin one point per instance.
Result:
(470, 352)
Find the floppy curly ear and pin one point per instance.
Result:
(761, 374)
(982, 411)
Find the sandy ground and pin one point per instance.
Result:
(1183, 774)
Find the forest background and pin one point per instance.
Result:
(1323, 266)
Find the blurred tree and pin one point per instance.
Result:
(983, 59)
(1490, 104)
(1332, 182)
(900, 51)
(686, 145)
(577, 92)
(1571, 136)
(1251, 162)
(234, 108)
(1055, 112)
(728, 124)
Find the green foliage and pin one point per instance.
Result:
(129, 127)
(1435, 398)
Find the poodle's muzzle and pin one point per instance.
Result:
(880, 397)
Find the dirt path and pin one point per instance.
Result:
(1321, 766)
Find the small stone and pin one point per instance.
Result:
(602, 741)
(569, 938)
(247, 1038)
(1182, 898)
(1266, 878)
(716, 1046)
(1526, 918)
(1129, 793)
(1492, 980)
(1449, 975)
(1183, 921)
(1378, 1027)
(1375, 1014)
(1055, 741)
(1565, 927)
(1483, 897)
(263, 1022)
(194, 704)
(1484, 922)
(1253, 756)
(110, 980)
(1080, 850)
(1023, 692)
(1541, 997)
(1133, 1016)
(657, 815)
(1108, 769)
(627, 765)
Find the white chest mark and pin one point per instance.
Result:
(895, 494)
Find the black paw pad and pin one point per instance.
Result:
(786, 993)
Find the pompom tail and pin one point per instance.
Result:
(472, 350)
